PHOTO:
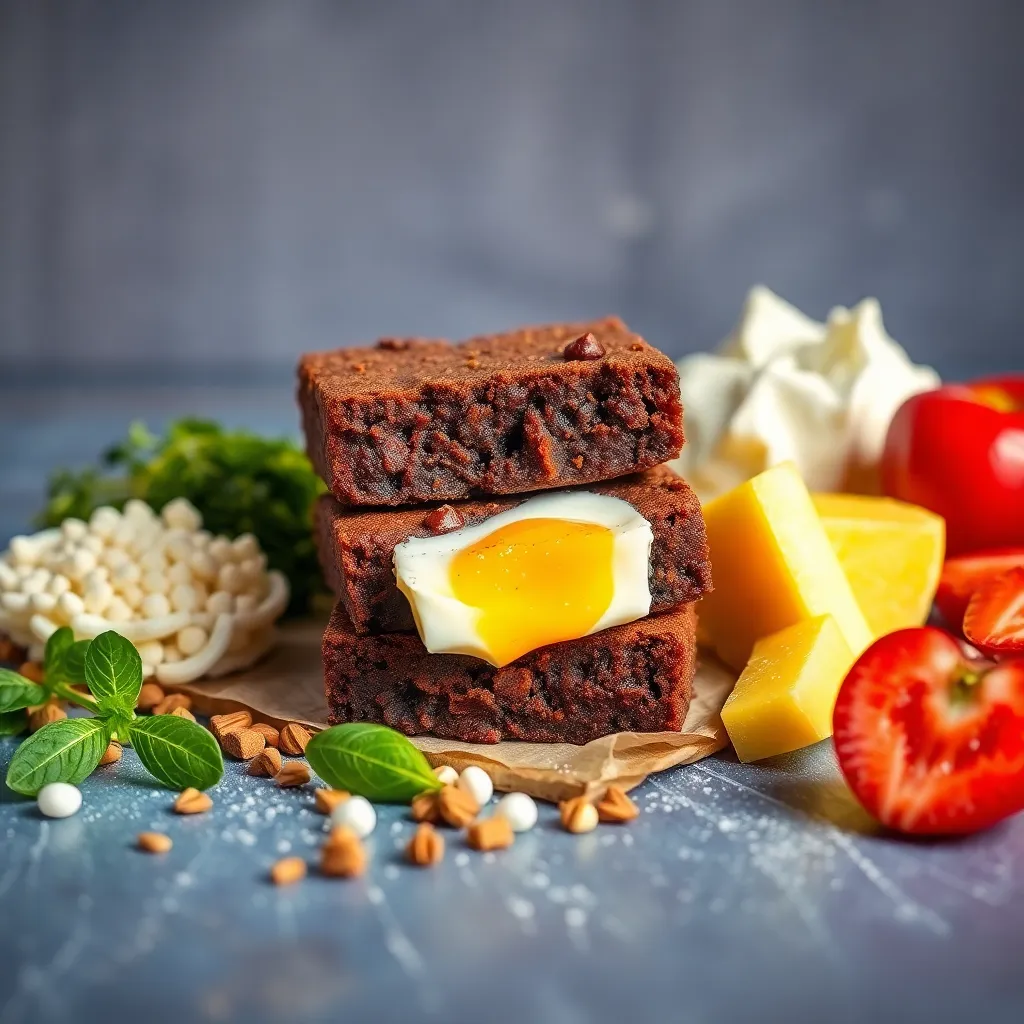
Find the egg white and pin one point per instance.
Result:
(447, 625)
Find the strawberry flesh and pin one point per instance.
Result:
(932, 743)
(994, 620)
(963, 575)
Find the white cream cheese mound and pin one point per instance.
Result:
(783, 387)
(193, 604)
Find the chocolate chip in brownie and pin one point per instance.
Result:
(444, 520)
(586, 346)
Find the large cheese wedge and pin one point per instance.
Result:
(772, 566)
(784, 698)
(891, 553)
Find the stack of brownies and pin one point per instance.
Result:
(428, 439)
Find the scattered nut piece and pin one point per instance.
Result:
(343, 855)
(270, 734)
(192, 801)
(172, 701)
(112, 753)
(615, 806)
(490, 834)
(149, 696)
(32, 671)
(426, 847)
(267, 762)
(293, 739)
(426, 807)
(183, 713)
(457, 807)
(154, 842)
(327, 799)
(578, 815)
(44, 715)
(243, 744)
(221, 725)
(292, 773)
(288, 871)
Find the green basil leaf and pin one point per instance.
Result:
(65, 751)
(113, 671)
(13, 723)
(64, 661)
(18, 692)
(372, 761)
(178, 752)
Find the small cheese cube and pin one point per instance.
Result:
(784, 698)
(772, 566)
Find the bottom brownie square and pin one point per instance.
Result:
(631, 678)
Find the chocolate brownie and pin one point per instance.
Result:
(413, 421)
(356, 547)
(631, 678)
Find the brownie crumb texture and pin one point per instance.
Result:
(635, 677)
(428, 421)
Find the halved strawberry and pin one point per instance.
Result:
(963, 575)
(930, 741)
(994, 620)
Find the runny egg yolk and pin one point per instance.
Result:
(536, 582)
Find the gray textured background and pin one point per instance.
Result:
(205, 184)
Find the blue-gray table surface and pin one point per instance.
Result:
(743, 893)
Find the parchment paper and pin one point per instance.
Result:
(288, 687)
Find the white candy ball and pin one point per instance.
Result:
(131, 594)
(230, 579)
(155, 606)
(138, 511)
(43, 603)
(171, 653)
(153, 561)
(59, 800)
(93, 544)
(98, 597)
(123, 535)
(477, 783)
(447, 774)
(115, 559)
(519, 810)
(37, 582)
(191, 640)
(203, 565)
(104, 521)
(244, 546)
(126, 574)
(356, 813)
(82, 563)
(179, 549)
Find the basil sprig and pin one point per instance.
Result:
(372, 761)
(179, 753)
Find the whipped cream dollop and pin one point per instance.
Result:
(783, 387)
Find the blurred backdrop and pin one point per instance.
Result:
(198, 188)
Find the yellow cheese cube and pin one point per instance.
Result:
(772, 566)
(891, 553)
(784, 698)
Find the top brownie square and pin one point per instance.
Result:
(412, 421)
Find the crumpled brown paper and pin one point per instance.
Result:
(288, 687)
